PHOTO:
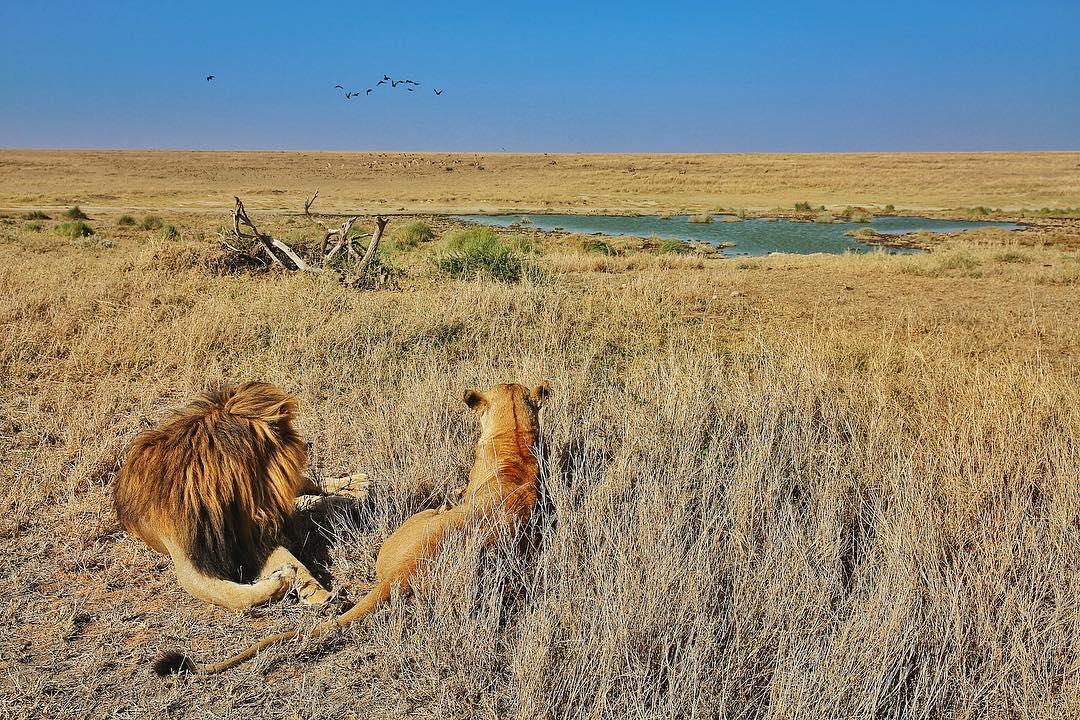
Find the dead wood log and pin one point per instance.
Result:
(281, 253)
(342, 233)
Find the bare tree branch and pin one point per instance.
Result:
(373, 246)
(281, 253)
(342, 233)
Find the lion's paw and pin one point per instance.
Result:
(356, 485)
(284, 575)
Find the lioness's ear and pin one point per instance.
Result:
(540, 393)
(475, 400)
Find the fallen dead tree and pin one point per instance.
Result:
(357, 270)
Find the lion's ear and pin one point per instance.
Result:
(475, 400)
(540, 393)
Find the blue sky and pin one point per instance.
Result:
(543, 76)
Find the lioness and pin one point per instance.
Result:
(212, 485)
(501, 492)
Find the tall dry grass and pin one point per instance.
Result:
(777, 504)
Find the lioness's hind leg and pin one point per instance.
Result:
(309, 589)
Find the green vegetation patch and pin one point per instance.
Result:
(75, 213)
(480, 252)
(75, 229)
(412, 234)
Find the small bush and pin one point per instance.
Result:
(34, 226)
(126, 221)
(170, 232)
(1013, 256)
(673, 247)
(863, 233)
(413, 234)
(803, 207)
(701, 219)
(889, 209)
(958, 260)
(151, 222)
(598, 246)
(35, 215)
(75, 229)
(75, 213)
(856, 215)
(479, 252)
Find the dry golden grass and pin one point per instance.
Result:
(442, 182)
(784, 487)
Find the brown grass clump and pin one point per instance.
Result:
(777, 487)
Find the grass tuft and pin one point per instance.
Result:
(75, 213)
(478, 253)
(412, 234)
(75, 229)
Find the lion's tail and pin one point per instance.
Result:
(176, 661)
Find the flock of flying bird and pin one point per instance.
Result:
(409, 85)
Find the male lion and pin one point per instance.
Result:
(501, 492)
(212, 485)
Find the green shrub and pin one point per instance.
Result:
(701, 219)
(75, 213)
(151, 222)
(125, 221)
(889, 209)
(34, 226)
(479, 252)
(601, 247)
(170, 232)
(413, 234)
(673, 247)
(35, 215)
(803, 207)
(74, 229)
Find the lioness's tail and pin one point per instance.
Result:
(176, 661)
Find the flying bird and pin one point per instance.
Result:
(409, 89)
(368, 91)
(437, 92)
(385, 77)
(395, 83)
(209, 78)
(381, 82)
(349, 95)
(339, 87)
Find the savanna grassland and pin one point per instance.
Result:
(485, 182)
(781, 487)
